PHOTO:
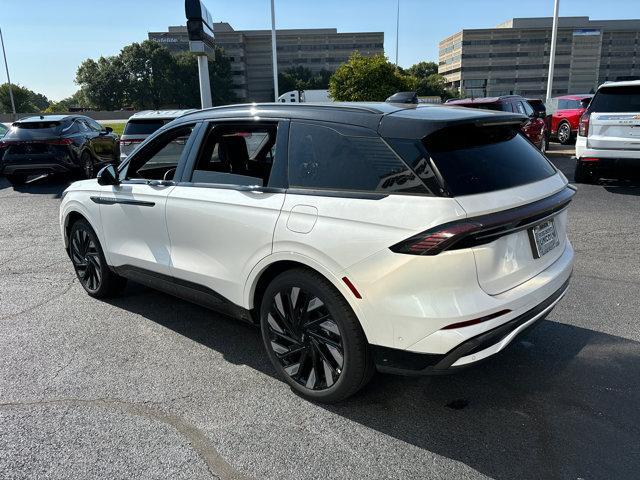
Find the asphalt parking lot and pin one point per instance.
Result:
(147, 386)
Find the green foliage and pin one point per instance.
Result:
(422, 70)
(302, 78)
(364, 79)
(427, 82)
(26, 101)
(146, 75)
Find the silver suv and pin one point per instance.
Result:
(142, 124)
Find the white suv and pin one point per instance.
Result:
(403, 238)
(609, 131)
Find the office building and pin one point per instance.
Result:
(250, 52)
(513, 58)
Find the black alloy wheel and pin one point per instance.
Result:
(88, 165)
(313, 338)
(89, 263)
(305, 339)
(86, 260)
(564, 133)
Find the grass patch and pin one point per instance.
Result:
(118, 127)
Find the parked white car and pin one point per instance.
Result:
(609, 132)
(410, 239)
(142, 124)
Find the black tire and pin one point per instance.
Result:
(319, 349)
(89, 263)
(88, 165)
(565, 137)
(583, 174)
(16, 179)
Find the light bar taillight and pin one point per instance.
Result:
(583, 126)
(133, 141)
(475, 321)
(434, 241)
(59, 141)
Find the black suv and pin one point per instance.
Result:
(56, 144)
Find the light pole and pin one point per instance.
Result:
(397, 30)
(6, 66)
(273, 51)
(552, 51)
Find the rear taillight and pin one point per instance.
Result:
(434, 241)
(589, 159)
(583, 127)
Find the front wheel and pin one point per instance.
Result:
(564, 133)
(89, 263)
(313, 338)
(88, 165)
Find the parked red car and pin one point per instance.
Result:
(567, 111)
(534, 128)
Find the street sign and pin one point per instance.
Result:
(200, 29)
(199, 22)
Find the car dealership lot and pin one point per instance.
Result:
(149, 386)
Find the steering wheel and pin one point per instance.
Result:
(168, 175)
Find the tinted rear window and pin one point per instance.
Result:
(346, 158)
(484, 159)
(36, 130)
(616, 99)
(564, 104)
(142, 127)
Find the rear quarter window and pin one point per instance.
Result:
(346, 158)
(142, 127)
(475, 159)
(616, 99)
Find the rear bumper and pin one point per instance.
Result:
(37, 164)
(402, 362)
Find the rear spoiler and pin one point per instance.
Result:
(398, 126)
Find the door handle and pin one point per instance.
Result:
(159, 183)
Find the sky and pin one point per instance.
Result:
(46, 40)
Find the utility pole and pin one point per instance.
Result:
(397, 30)
(6, 66)
(552, 52)
(273, 51)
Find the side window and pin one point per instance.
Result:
(93, 125)
(82, 127)
(236, 155)
(507, 106)
(321, 157)
(520, 108)
(159, 159)
(528, 111)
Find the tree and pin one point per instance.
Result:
(105, 82)
(363, 79)
(422, 70)
(146, 75)
(26, 100)
(302, 78)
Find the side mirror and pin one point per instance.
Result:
(541, 114)
(108, 129)
(108, 176)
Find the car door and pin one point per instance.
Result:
(103, 143)
(533, 127)
(133, 212)
(222, 215)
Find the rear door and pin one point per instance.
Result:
(492, 169)
(222, 215)
(614, 121)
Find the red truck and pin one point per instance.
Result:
(567, 110)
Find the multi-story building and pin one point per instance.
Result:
(513, 58)
(250, 52)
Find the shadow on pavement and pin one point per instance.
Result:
(40, 185)
(622, 186)
(560, 402)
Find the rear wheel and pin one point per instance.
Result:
(89, 262)
(313, 338)
(564, 133)
(88, 165)
(584, 174)
(17, 178)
